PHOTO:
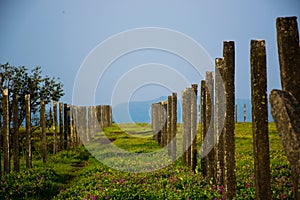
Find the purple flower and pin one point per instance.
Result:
(247, 185)
(213, 188)
(282, 196)
(278, 167)
(221, 187)
(106, 197)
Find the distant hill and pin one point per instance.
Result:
(140, 111)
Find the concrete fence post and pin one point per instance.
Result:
(289, 54)
(28, 132)
(229, 72)
(6, 154)
(220, 116)
(260, 119)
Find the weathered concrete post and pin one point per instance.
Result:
(161, 124)
(81, 114)
(220, 116)
(289, 54)
(28, 132)
(211, 165)
(260, 119)
(245, 113)
(90, 123)
(69, 125)
(174, 125)
(194, 94)
(99, 117)
(110, 116)
(65, 143)
(236, 113)
(6, 154)
(61, 127)
(103, 123)
(159, 127)
(229, 71)
(164, 130)
(154, 121)
(43, 127)
(74, 128)
(169, 124)
(104, 116)
(188, 126)
(95, 120)
(286, 113)
(1, 125)
(55, 127)
(183, 128)
(204, 160)
(15, 110)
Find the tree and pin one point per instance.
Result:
(21, 81)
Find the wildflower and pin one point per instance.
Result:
(247, 185)
(222, 189)
(213, 188)
(278, 167)
(93, 197)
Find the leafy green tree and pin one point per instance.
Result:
(21, 81)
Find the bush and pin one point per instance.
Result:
(38, 183)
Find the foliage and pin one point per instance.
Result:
(173, 182)
(44, 180)
(29, 183)
(75, 174)
(21, 81)
(98, 181)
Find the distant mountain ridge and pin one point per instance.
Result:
(140, 111)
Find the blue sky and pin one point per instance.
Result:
(59, 34)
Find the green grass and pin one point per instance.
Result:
(97, 180)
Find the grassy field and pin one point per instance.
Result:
(75, 174)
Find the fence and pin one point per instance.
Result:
(65, 133)
(218, 161)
